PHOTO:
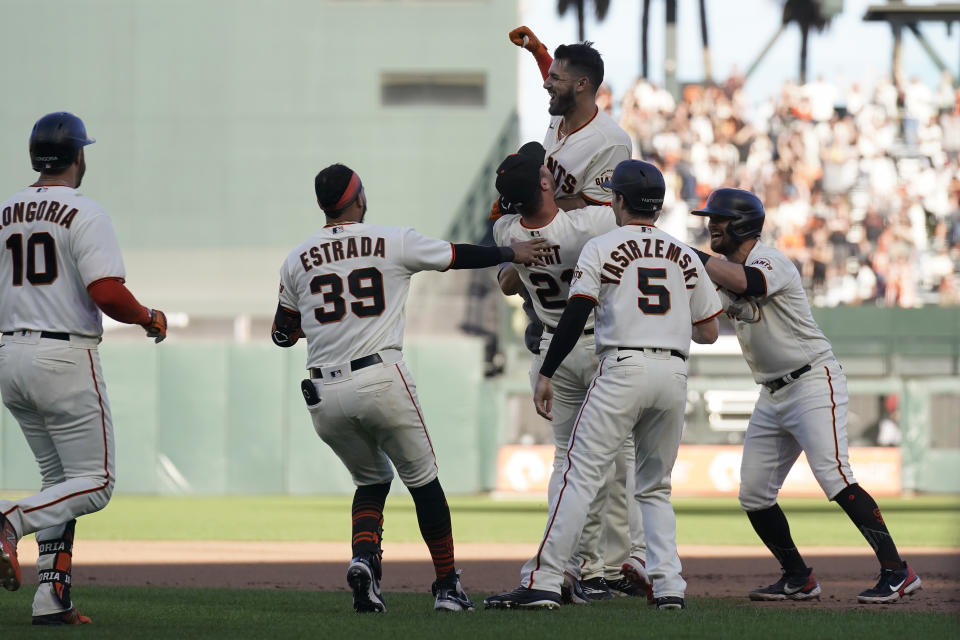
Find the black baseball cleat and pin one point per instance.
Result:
(571, 591)
(69, 617)
(450, 595)
(893, 585)
(626, 587)
(523, 598)
(670, 602)
(363, 578)
(597, 589)
(790, 587)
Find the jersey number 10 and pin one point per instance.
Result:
(44, 241)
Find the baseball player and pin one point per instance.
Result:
(802, 404)
(61, 266)
(345, 289)
(650, 296)
(523, 180)
(583, 145)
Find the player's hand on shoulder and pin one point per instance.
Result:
(524, 37)
(543, 397)
(530, 252)
(156, 328)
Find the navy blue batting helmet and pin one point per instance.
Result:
(55, 140)
(743, 208)
(640, 183)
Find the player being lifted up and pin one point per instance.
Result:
(582, 146)
(345, 289)
(802, 405)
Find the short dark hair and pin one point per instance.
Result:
(329, 186)
(582, 59)
(532, 206)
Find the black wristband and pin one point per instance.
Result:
(507, 254)
(703, 256)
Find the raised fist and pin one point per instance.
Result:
(532, 43)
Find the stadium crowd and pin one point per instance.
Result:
(862, 190)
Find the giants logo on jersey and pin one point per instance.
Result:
(567, 183)
(604, 177)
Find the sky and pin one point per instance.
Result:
(848, 50)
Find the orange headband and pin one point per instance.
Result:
(349, 195)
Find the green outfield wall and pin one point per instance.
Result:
(216, 417)
(222, 418)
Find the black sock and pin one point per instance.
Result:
(771, 525)
(367, 516)
(433, 515)
(863, 510)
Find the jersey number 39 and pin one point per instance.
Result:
(366, 285)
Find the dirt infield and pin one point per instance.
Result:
(722, 572)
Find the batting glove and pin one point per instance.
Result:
(157, 327)
(532, 44)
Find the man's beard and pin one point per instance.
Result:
(726, 245)
(563, 104)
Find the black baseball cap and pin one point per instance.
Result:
(518, 176)
(640, 183)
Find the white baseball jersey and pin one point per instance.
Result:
(55, 242)
(566, 234)
(350, 283)
(777, 332)
(640, 271)
(582, 159)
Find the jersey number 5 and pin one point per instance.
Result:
(652, 291)
(365, 284)
(45, 242)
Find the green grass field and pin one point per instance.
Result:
(140, 612)
(144, 612)
(922, 521)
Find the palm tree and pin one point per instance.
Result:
(600, 9)
(806, 14)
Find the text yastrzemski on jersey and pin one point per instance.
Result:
(631, 250)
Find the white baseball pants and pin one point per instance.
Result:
(55, 390)
(809, 415)
(372, 417)
(643, 394)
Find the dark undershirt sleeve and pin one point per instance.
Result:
(569, 329)
(472, 256)
(756, 285)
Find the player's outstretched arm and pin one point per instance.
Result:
(524, 37)
(747, 281)
(115, 300)
(473, 256)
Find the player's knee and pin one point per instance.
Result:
(99, 499)
(755, 501)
